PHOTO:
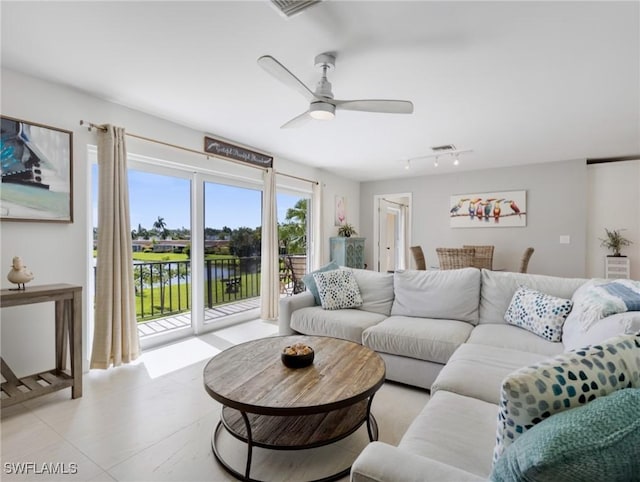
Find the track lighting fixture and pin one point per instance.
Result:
(442, 151)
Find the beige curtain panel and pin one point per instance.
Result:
(317, 253)
(269, 281)
(115, 338)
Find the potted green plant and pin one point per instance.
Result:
(346, 230)
(614, 241)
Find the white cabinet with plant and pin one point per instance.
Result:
(617, 265)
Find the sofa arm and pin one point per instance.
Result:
(288, 305)
(382, 462)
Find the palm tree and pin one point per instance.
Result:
(294, 232)
(161, 227)
(298, 212)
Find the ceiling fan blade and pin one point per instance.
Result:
(376, 105)
(297, 121)
(281, 73)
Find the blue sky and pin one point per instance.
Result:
(153, 195)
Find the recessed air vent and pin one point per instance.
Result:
(446, 147)
(292, 7)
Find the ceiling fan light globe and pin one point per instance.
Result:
(322, 110)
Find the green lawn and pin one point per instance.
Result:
(177, 300)
(175, 256)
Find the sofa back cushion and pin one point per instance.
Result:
(448, 294)
(498, 288)
(376, 290)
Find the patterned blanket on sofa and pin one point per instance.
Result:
(598, 301)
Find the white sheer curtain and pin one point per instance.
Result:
(316, 225)
(115, 338)
(269, 282)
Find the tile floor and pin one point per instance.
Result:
(152, 421)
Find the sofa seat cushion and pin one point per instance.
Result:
(447, 294)
(345, 324)
(456, 430)
(422, 338)
(477, 370)
(513, 337)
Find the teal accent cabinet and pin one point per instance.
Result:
(347, 251)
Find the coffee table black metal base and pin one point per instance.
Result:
(292, 432)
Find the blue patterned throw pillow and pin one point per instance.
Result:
(538, 313)
(534, 393)
(310, 282)
(338, 289)
(597, 441)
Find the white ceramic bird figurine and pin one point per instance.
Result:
(19, 273)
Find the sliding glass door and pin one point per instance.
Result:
(231, 250)
(196, 241)
(160, 212)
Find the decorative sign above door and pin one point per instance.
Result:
(237, 153)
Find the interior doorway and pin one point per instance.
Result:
(392, 229)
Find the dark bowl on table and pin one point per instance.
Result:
(297, 361)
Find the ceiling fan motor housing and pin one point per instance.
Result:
(322, 110)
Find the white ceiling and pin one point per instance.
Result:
(517, 82)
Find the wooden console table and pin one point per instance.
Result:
(68, 317)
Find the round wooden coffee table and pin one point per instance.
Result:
(266, 404)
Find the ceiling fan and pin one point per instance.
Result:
(322, 105)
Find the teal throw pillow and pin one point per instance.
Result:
(599, 441)
(531, 394)
(310, 282)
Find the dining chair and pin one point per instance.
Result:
(483, 257)
(418, 257)
(455, 258)
(524, 262)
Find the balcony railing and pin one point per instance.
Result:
(163, 288)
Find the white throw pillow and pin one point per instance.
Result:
(338, 289)
(574, 336)
(538, 313)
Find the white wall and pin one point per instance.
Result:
(556, 205)
(348, 189)
(58, 252)
(613, 203)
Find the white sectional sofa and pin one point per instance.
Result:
(444, 331)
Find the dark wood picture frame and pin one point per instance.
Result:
(237, 153)
(37, 172)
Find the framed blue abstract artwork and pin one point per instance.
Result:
(37, 172)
